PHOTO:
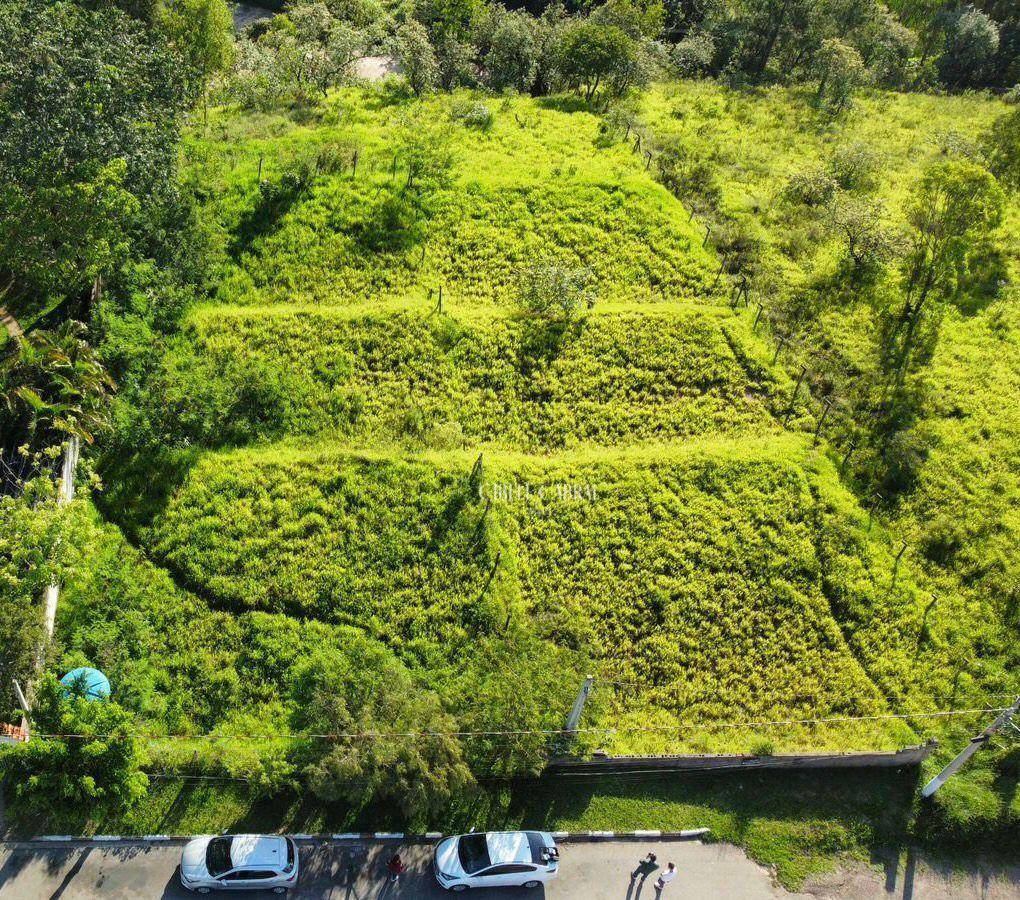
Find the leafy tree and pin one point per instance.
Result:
(421, 67)
(840, 72)
(886, 46)
(971, 41)
(868, 243)
(1002, 149)
(89, 118)
(1005, 67)
(552, 301)
(511, 60)
(363, 688)
(61, 235)
(856, 166)
(449, 18)
(255, 82)
(693, 55)
(549, 29)
(523, 684)
(330, 45)
(202, 33)
(591, 55)
(30, 547)
(762, 29)
(455, 58)
(955, 204)
(91, 765)
(641, 19)
(301, 55)
(424, 149)
(54, 386)
(554, 293)
(815, 186)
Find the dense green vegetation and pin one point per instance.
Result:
(410, 405)
(533, 184)
(397, 374)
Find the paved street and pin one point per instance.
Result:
(589, 871)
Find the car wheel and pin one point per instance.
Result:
(279, 890)
(203, 890)
(532, 884)
(459, 888)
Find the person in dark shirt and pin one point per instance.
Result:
(395, 867)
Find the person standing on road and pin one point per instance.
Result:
(395, 867)
(666, 877)
(645, 867)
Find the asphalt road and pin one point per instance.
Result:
(345, 871)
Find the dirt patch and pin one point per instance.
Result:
(376, 68)
(910, 876)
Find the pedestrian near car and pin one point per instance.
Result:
(666, 877)
(396, 867)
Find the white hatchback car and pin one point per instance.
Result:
(239, 862)
(496, 859)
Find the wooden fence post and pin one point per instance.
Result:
(779, 347)
(492, 574)
(846, 457)
(793, 396)
(826, 406)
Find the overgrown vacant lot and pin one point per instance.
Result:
(717, 566)
(386, 373)
(649, 507)
(541, 183)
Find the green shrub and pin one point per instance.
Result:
(96, 770)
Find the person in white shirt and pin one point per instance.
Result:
(666, 877)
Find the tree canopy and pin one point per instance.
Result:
(90, 104)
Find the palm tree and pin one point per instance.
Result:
(54, 385)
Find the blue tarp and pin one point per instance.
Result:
(86, 682)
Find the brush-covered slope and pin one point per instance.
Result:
(540, 182)
(723, 580)
(398, 373)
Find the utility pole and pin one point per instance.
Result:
(23, 703)
(65, 494)
(575, 712)
(976, 744)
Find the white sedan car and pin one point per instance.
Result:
(239, 862)
(496, 859)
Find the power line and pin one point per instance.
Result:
(551, 732)
(877, 696)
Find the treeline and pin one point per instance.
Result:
(619, 44)
(100, 250)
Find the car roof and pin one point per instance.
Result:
(508, 847)
(258, 851)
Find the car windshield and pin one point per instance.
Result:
(217, 856)
(474, 853)
(537, 847)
